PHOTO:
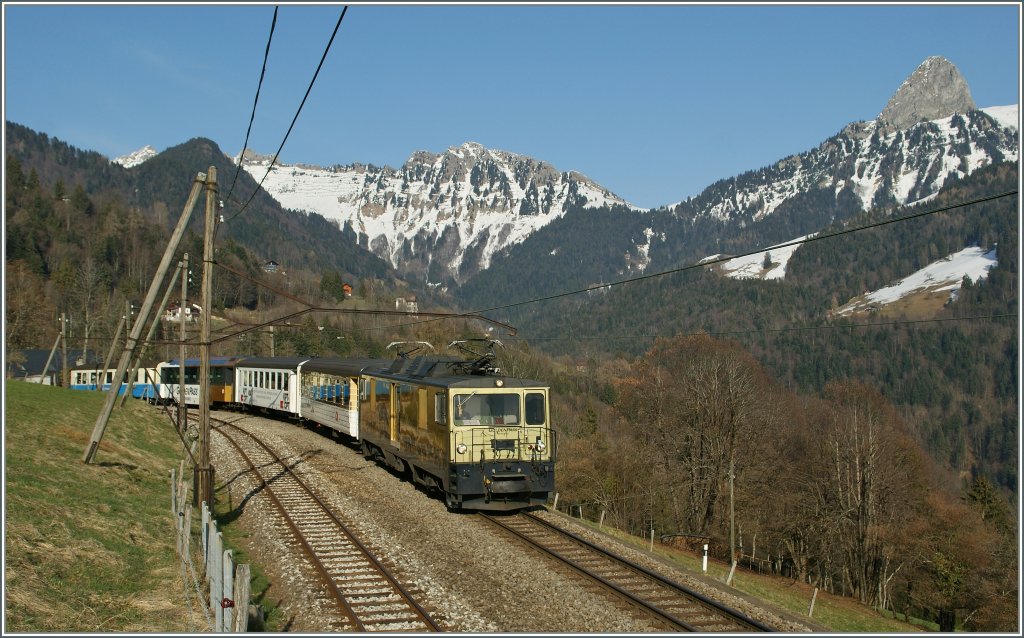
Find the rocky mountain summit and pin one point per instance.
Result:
(929, 131)
(935, 90)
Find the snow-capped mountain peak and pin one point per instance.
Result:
(441, 215)
(137, 157)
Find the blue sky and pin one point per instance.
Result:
(654, 102)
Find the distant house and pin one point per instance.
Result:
(27, 365)
(347, 289)
(173, 313)
(406, 304)
(271, 266)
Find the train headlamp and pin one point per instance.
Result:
(461, 448)
(540, 445)
(499, 383)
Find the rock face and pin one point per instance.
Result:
(934, 91)
(441, 216)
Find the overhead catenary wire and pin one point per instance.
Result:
(297, 112)
(263, 72)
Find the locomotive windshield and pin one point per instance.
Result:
(487, 409)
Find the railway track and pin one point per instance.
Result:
(671, 604)
(366, 595)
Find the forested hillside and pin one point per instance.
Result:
(84, 237)
(155, 192)
(953, 378)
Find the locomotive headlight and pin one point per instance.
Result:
(540, 445)
(499, 382)
(461, 448)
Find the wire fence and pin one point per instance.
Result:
(219, 588)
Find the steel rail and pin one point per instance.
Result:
(701, 599)
(311, 552)
(662, 615)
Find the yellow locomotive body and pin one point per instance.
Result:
(484, 440)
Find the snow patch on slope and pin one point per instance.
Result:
(941, 276)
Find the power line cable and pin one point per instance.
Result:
(753, 331)
(245, 145)
(297, 112)
(709, 262)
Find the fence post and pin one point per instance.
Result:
(182, 490)
(205, 534)
(174, 500)
(227, 591)
(186, 532)
(814, 596)
(555, 506)
(241, 595)
(179, 527)
(213, 572)
(600, 523)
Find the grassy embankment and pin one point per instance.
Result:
(90, 548)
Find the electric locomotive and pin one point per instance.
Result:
(483, 439)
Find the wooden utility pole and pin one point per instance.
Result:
(110, 355)
(65, 374)
(49, 359)
(204, 472)
(182, 408)
(147, 306)
(732, 516)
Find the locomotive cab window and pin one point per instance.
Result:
(486, 409)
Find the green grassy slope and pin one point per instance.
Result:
(89, 548)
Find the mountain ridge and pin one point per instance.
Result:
(465, 203)
(444, 218)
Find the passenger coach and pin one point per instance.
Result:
(268, 383)
(143, 387)
(330, 391)
(222, 380)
